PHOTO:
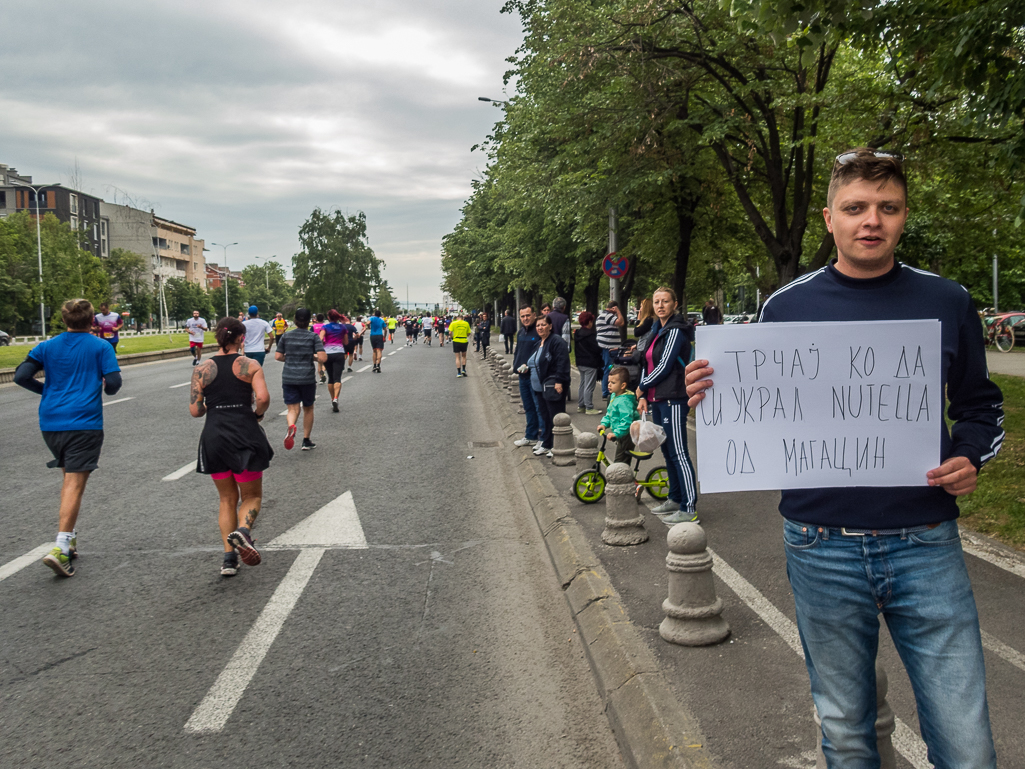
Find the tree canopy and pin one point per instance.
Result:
(336, 267)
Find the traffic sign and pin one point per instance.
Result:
(615, 266)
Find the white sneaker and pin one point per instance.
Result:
(550, 455)
(537, 445)
(666, 508)
(523, 442)
(539, 450)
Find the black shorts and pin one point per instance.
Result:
(377, 342)
(359, 342)
(459, 346)
(349, 347)
(335, 366)
(77, 451)
(427, 332)
(299, 393)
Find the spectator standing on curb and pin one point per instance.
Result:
(664, 352)
(559, 319)
(589, 362)
(527, 341)
(645, 318)
(549, 378)
(854, 553)
(256, 329)
(196, 327)
(107, 324)
(484, 324)
(230, 389)
(508, 331)
(78, 366)
(710, 314)
(608, 328)
(297, 349)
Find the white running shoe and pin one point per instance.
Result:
(539, 450)
(523, 442)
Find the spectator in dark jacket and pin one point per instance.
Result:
(527, 341)
(508, 331)
(549, 378)
(710, 314)
(589, 362)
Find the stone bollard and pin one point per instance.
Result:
(623, 524)
(562, 441)
(692, 609)
(587, 450)
(885, 725)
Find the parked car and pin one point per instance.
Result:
(1017, 322)
(5, 339)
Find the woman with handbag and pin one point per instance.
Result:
(549, 378)
(664, 352)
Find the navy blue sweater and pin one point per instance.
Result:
(975, 403)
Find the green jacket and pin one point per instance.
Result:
(622, 412)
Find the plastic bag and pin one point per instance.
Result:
(647, 436)
(501, 337)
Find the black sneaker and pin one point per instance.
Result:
(229, 567)
(349, 370)
(241, 540)
(334, 406)
(308, 445)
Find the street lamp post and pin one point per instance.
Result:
(266, 270)
(227, 274)
(39, 247)
(493, 101)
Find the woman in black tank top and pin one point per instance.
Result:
(233, 449)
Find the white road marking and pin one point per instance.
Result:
(345, 379)
(978, 547)
(1004, 651)
(183, 384)
(283, 413)
(216, 708)
(119, 400)
(398, 350)
(335, 526)
(365, 368)
(32, 556)
(181, 472)
(905, 740)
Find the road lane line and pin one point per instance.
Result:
(905, 740)
(181, 472)
(395, 351)
(183, 384)
(978, 547)
(32, 556)
(365, 368)
(345, 379)
(283, 413)
(216, 708)
(119, 400)
(1004, 651)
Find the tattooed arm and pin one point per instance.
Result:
(202, 375)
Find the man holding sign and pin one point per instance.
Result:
(857, 551)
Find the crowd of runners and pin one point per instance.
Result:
(229, 389)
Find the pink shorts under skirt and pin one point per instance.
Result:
(246, 476)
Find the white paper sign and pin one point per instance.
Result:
(811, 405)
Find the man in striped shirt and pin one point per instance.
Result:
(608, 328)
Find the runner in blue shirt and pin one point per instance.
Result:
(378, 331)
(77, 365)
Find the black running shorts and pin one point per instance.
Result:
(77, 451)
(335, 365)
(377, 342)
(459, 346)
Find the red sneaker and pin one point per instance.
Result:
(290, 438)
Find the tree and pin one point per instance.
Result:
(385, 301)
(183, 296)
(265, 287)
(131, 282)
(336, 267)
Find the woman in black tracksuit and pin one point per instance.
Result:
(550, 379)
(663, 353)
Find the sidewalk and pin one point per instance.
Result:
(745, 703)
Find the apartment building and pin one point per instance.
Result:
(173, 248)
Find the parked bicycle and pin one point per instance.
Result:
(998, 333)
(589, 485)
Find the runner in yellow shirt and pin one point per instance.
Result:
(459, 331)
(392, 323)
(280, 326)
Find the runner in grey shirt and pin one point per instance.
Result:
(297, 349)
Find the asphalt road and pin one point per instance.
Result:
(443, 641)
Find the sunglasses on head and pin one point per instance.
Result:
(846, 157)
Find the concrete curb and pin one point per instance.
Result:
(7, 374)
(651, 726)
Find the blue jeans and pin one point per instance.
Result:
(606, 357)
(672, 416)
(530, 406)
(919, 583)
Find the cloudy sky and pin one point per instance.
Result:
(239, 118)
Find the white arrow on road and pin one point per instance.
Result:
(335, 526)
